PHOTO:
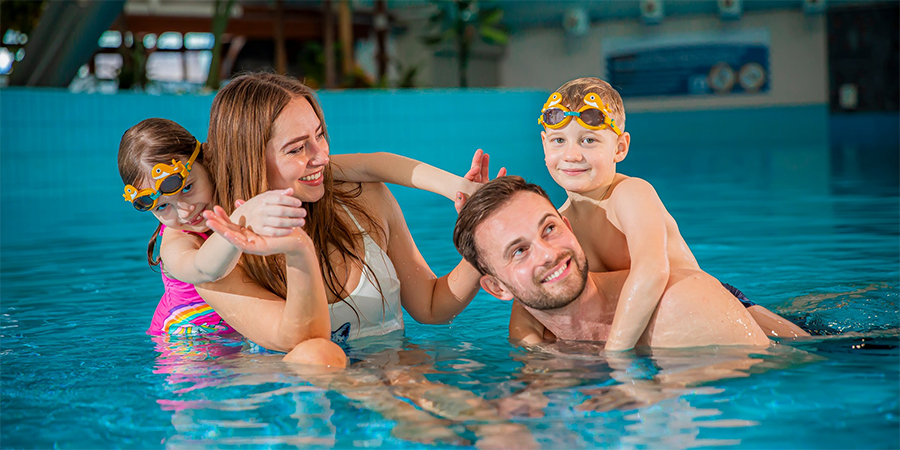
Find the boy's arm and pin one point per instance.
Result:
(383, 167)
(642, 219)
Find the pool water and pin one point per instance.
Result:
(796, 227)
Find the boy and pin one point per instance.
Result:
(619, 220)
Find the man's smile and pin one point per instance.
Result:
(558, 271)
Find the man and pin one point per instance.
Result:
(510, 231)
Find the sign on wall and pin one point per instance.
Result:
(707, 63)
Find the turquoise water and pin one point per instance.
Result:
(809, 230)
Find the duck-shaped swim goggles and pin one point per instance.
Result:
(593, 115)
(169, 180)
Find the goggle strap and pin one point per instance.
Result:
(190, 162)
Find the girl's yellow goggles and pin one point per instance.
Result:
(169, 180)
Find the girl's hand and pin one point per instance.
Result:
(274, 213)
(248, 241)
(477, 175)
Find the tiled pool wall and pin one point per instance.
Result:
(60, 145)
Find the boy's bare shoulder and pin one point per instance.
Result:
(632, 187)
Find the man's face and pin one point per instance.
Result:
(532, 254)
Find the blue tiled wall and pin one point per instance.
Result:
(55, 141)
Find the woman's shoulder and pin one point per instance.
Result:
(377, 189)
(376, 196)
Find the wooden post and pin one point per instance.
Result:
(328, 40)
(280, 47)
(381, 30)
(345, 28)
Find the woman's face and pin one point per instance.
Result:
(297, 154)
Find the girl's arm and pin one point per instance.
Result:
(189, 259)
(383, 167)
(268, 320)
(642, 219)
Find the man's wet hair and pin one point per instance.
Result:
(482, 205)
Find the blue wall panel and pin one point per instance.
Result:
(53, 142)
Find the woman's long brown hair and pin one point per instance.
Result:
(240, 125)
(150, 142)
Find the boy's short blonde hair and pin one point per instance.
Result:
(573, 93)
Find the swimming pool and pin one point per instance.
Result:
(807, 229)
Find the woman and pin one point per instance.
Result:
(268, 132)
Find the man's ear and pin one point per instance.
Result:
(495, 287)
(622, 145)
(543, 136)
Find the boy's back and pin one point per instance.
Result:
(599, 230)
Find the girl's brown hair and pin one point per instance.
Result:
(150, 142)
(240, 125)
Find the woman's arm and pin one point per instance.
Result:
(260, 315)
(426, 297)
(524, 329)
(383, 167)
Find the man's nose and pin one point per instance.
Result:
(544, 252)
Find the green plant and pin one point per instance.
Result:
(219, 23)
(461, 22)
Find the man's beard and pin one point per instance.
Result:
(542, 300)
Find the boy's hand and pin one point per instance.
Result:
(274, 213)
(478, 174)
(247, 241)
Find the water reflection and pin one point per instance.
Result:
(566, 394)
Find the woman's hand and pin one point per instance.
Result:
(477, 175)
(248, 241)
(274, 213)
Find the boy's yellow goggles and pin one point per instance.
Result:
(169, 180)
(593, 115)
